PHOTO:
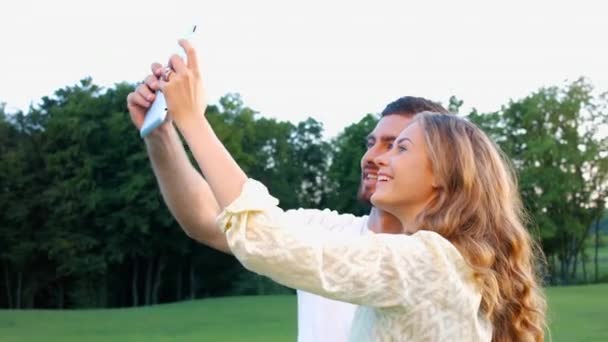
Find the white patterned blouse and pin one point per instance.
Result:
(408, 287)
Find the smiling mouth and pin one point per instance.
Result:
(368, 176)
(383, 179)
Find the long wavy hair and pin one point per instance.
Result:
(478, 208)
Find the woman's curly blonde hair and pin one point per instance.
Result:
(478, 208)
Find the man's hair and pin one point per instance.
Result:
(410, 105)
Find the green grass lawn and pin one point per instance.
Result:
(268, 318)
(577, 313)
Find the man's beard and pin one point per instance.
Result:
(364, 195)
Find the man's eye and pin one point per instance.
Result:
(390, 146)
(369, 144)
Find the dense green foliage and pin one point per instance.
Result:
(82, 223)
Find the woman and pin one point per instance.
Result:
(463, 269)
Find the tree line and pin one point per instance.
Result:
(82, 222)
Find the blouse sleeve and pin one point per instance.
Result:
(327, 219)
(380, 270)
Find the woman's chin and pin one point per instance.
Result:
(376, 200)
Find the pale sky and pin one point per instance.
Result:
(332, 60)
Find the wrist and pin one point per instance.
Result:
(192, 124)
(161, 136)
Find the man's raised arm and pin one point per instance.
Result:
(183, 188)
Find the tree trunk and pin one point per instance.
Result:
(149, 272)
(260, 281)
(563, 259)
(103, 291)
(60, 296)
(563, 268)
(553, 269)
(19, 286)
(574, 267)
(31, 299)
(192, 281)
(584, 263)
(178, 285)
(158, 279)
(570, 260)
(7, 283)
(134, 292)
(597, 246)
(580, 249)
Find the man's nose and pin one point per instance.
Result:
(369, 157)
(381, 159)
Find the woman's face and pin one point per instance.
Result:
(405, 179)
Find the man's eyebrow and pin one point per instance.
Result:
(384, 138)
(388, 138)
(404, 139)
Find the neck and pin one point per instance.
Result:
(402, 222)
(408, 224)
(381, 221)
(408, 217)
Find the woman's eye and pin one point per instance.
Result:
(401, 148)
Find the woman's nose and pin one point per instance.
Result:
(381, 160)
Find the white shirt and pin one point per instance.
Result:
(408, 287)
(321, 319)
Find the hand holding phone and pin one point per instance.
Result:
(157, 113)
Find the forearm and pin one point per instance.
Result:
(184, 190)
(221, 171)
(308, 257)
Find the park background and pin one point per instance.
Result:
(88, 250)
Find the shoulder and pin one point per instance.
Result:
(427, 250)
(453, 270)
(438, 244)
(329, 219)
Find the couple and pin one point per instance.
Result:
(458, 264)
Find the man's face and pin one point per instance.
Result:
(379, 141)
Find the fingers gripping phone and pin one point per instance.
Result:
(157, 113)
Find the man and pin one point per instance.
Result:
(183, 188)
(322, 319)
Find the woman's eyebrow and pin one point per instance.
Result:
(404, 139)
